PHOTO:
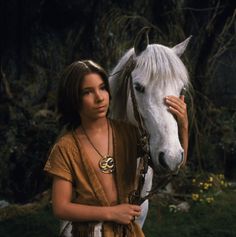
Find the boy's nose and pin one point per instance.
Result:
(99, 97)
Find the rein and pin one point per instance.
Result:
(145, 158)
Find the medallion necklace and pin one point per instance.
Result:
(107, 163)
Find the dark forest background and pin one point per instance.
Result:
(39, 38)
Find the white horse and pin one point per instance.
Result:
(159, 72)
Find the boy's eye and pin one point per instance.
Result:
(102, 87)
(85, 92)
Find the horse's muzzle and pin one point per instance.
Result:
(165, 166)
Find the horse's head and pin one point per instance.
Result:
(159, 72)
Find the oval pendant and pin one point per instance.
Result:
(107, 164)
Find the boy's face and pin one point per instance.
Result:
(95, 97)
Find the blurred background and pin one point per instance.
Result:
(39, 38)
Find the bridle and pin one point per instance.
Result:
(135, 195)
(143, 144)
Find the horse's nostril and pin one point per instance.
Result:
(162, 160)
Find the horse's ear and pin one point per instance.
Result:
(141, 41)
(180, 48)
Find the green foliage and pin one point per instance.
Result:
(207, 186)
(37, 224)
(217, 140)
(215, 220)
(192, 188)
(24, 150)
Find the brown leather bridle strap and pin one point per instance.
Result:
(145, 159)
(131, 63)
(135, 196)
(144, 136)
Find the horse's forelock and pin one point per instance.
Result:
(160, 63)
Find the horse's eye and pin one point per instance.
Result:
(138, 87)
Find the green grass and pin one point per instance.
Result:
(37, 224)
(203, 220)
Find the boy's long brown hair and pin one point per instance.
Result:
(69, 91)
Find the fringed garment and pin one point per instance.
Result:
(68, 160)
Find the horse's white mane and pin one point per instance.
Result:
(158, 63)
(159, 60)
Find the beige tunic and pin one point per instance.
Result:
(69, 161)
